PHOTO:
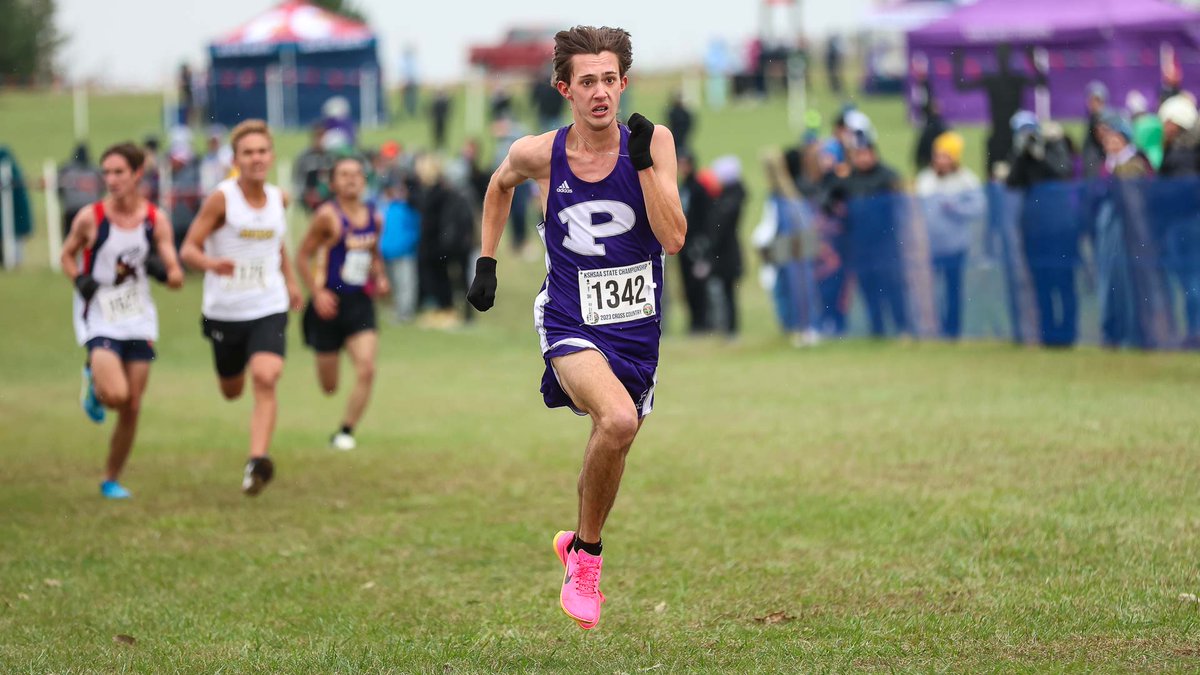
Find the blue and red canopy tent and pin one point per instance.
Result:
(284, 64)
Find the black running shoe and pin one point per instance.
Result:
(259, 472)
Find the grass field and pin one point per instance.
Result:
(861, 506)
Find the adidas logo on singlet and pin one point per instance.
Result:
(564, 188)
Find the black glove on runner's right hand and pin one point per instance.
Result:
(483, 289)
(86, 285)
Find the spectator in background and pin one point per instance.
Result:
(217, 162)
(1147, 128)
(341, 135)
(933, 127)
(803, 161)
(718, 66)
(478, 176)
(867, 200)
(184, 201)
(1050, 239)
(79, 184)
(1181, 206)
(1132, 296)
(835, 53)
(833, 276)
(547, 103)
(1181, 137)
(1005, 89)
(502, 103)
(954, 206)
(151, 179)
(1122, 159)
(398, 246)
(186, 99)
(390, 167)
(694, 260)
(310, 173)
(680, 122)
(22, 216)
(506, 131)
(447, 240)
(1093, 151)
(410, 89)
(726, 250)
(439, 114)
(787, 260)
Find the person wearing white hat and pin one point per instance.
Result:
(1181, 162)
(1180, 138)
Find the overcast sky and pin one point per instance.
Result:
(139, 43)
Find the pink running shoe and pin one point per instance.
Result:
(581, 597)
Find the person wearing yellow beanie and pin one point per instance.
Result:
(953, 205)
(950, 144)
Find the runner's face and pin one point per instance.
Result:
(254, 156)
(120, 180)
(595, 89)
(348, 180)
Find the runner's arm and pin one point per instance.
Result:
(211, 217)
(661, 191)
(528, 158)
(320, 233)
(378, 266)
(295, 298)
(164, 241)
(83, 230)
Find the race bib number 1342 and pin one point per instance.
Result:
(617, 294)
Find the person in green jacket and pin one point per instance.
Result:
(22, 216)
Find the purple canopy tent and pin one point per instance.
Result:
(882, 38)
(1126, 44)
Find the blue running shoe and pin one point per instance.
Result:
(111, 489)
(87, 398)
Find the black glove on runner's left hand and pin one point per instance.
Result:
(482, 294)
(641, 130)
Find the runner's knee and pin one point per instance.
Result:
(232, 388)
(131, 407)
(365, 372)
(266, 377)
(113, 396)
(619, 424)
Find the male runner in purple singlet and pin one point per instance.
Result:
(611, 215)
(344, 238)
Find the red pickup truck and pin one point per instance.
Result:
(525, 49)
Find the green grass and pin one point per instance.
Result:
(923, 507)
(862, 506)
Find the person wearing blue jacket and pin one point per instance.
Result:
(401, 232)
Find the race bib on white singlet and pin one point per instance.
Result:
(120, 303)
(248, 275)
(617, 294)
(356, 267)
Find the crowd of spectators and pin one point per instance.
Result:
(1113, 214)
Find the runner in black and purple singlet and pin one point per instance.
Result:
(341, 314)
(611, 215)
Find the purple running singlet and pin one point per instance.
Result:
(604, 276)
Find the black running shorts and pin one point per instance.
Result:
(356, 313)
(234, 342)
